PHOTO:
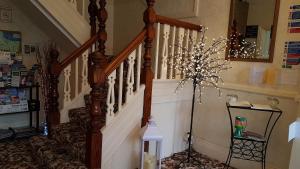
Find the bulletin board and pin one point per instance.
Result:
(10, 41)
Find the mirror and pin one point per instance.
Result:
(252, 30)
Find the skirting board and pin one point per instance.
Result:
(220, 153)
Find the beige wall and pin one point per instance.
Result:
(261, 13)
(128, 22)
(211, 126)
(35, 29)
(31, 34)
(212, 132)
(214, 15)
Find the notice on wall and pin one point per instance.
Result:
(294, 130)
(291, 57)
(294, 19)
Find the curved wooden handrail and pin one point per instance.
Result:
(78, 52)
(124, 53)
(178, 23)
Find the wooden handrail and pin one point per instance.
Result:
(178, 23)
(78, 52)
(124, 53)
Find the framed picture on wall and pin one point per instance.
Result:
(5, 14)
(10, 41)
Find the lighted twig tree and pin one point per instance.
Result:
(239, 47)
(202, 68)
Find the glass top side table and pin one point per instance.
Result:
(252, 146)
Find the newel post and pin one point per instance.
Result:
(93, 10)
(97, 81)
(147, 76)
(53, 114)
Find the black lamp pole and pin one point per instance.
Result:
(191, 123)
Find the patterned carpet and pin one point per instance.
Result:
(198, 161)
(17, 155)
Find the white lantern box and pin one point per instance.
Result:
(150, 134)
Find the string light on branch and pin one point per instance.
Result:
(203, 64)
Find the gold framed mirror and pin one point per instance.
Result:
(252, 26)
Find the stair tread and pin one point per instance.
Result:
(53, 155)
(79, 116)
(73, 137)
(68, 133)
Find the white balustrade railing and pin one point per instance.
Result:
(75, 77)
(132, 83)
(171, 41)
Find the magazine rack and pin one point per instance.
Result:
(31, 105)
(252, 146)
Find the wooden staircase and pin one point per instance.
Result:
(115, 84)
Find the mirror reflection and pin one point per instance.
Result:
(250, 28)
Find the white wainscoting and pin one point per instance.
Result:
(171, 111)
(121, 137)
(211, 123)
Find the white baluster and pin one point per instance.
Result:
(165, 52)
(171, 67)
(110, 101)
(67, 84)
(130, 75)
(186, 48)
(76, 78)
(157, 50)
(120, 86)
(179, 51)
(187, 41)
(194, 39)
(84, 73)
(94, 47)
(139, 58)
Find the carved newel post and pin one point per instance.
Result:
(97, 80)
(93, 10)
(147, 76)
(53, 114)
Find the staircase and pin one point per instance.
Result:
(119, 89)
(65, 16)
(66, 148)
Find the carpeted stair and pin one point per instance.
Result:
(66, 148)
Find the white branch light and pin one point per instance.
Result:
(204, 64)
(247, 50)
(242, 49)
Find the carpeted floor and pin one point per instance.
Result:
(198, 161)
(17, 155)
